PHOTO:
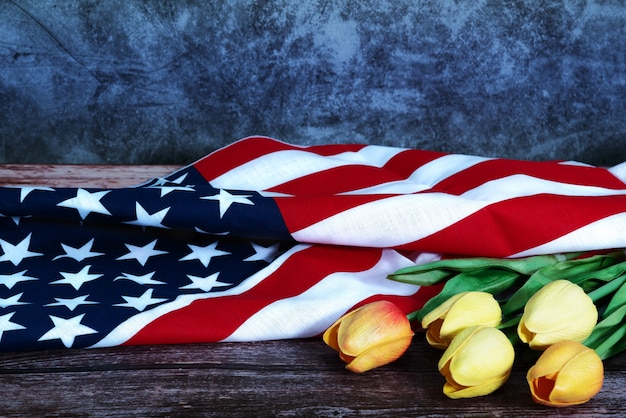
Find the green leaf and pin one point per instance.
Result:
(492, 281)
(436, 271)
(613, 286)
(619, 298)
(607, 338)
(576, 271)
(601, 338)
(613, 345)
(426, 278)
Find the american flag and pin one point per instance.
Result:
(265, 240)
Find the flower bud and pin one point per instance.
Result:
(460, 311)
(477, 362)
(370, 336)
(559, 311)
(566, 373)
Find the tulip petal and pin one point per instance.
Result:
(472, 308)
(380, 355)
(487, 355)
(580, 379)
(330, 336)
(440, 311)
(371, 325)
(456, 345)
(457, 392)
(567, 373)
(559, 311)
(433, 336)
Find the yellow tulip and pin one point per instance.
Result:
(559, 311)
(477, 362)
(566, 373)
(459, 312)
(370, 336)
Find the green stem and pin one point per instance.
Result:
(413, 316)
(609, 288)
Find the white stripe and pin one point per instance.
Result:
(425, 176)
(392, 221)
(313, 311)
(607, 233)
(437, 170)
(127, 329)
(280, 167)
(519, 185)
(619, 171)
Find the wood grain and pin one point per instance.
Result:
(275, 378)
(297, 378)
(80, 175)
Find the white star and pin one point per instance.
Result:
(178, 180)
(141, 254)
(15, 219)
(16, 253)
(226, 199)
(78, 254)
(142, 302)
(12, 301)
(205, 283)
(146, 219)
(77, 279)
(169, 189)
(73, 303)
(86, 203)
(25, 190)
(146, 279)
(203, 254)
(10, 280)
(67, 330)
(262, 253)
(7, 325)
(162, 181)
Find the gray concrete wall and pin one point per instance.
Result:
(169, 81)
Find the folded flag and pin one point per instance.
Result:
(265, 240)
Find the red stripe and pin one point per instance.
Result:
(215, 319)
(494, 169)
(511, 226)
(354, 177)
(246, 150)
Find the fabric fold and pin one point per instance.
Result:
(267, 240)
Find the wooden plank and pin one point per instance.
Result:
(275, 378)
(65, 175)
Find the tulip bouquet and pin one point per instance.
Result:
(570, 307)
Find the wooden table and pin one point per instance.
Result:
(296, 378)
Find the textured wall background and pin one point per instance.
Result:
(168, 81)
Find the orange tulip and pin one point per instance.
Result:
(370, 336)
(566, 373)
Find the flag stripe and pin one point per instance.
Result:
(246, 150)
(391, 221)
(267, 171)
(494, 169)
(516, 225)
(316, 308)
(348, 178)
(605, 233)
(298, 272)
